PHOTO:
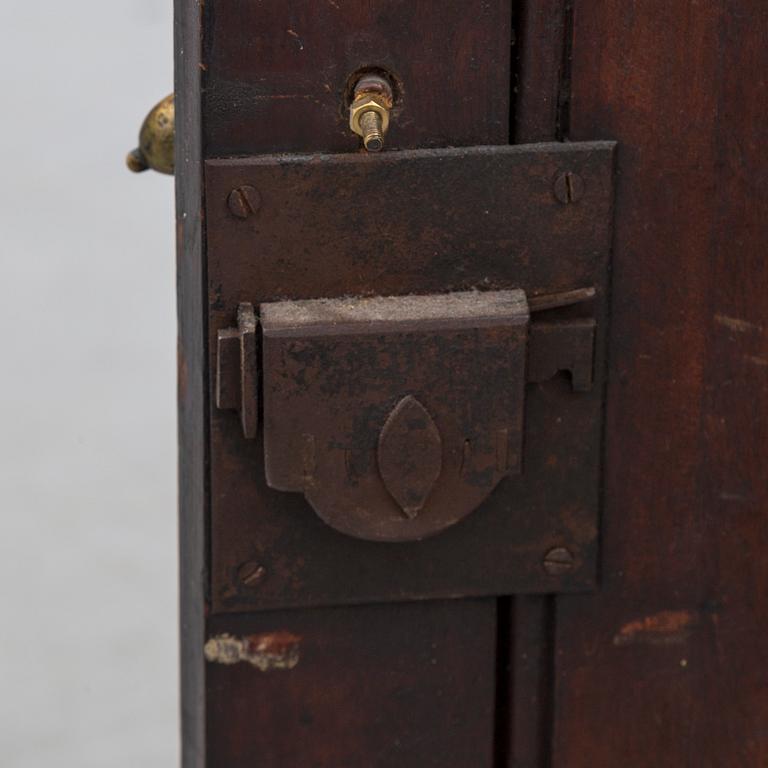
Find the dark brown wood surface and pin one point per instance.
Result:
(405, 686)
(667, 666)
(540, 69)
(277, 72)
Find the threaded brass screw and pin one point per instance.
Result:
(373, 135)
(369, 112)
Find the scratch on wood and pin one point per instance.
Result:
(737, 324)
(295, 36)
(733, 496)
(663, 628)
(268, 652)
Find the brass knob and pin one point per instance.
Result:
(156, 140)
(369, 111)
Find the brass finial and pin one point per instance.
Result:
(156, 140)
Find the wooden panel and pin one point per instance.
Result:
(666, 667)
(541, 52)
(277, 71)
(274, 75)
(406, 686)
(530, 712)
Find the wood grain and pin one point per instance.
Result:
(277, 72)
(407, 686)
(192, 381)
(666, 666)
(540, 69)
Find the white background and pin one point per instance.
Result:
(88, 658)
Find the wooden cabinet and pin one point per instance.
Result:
(472, 431)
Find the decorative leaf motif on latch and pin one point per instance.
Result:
(410, 455)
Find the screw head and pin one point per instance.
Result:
(244, 201)
(252, 574)
(569, 187)
(558, 561)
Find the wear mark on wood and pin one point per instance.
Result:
(295, 35)
(410, 455)
(267, 652)
(737, 324)
(663, 628)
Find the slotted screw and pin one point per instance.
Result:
(558, 561)
(569, 187)
(252, 574)
(244, 201)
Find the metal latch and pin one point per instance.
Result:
(396, 416)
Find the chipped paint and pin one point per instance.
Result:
(267, 652)
(663, 628)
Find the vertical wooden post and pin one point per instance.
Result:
(192, 382)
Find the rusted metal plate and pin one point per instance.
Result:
(375, 410)
(237, 370)
(415, 222)
(565, 346)
(426, 221)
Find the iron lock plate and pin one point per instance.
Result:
(429, 223)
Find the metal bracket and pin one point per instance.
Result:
(564, 346)
(237, 381)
